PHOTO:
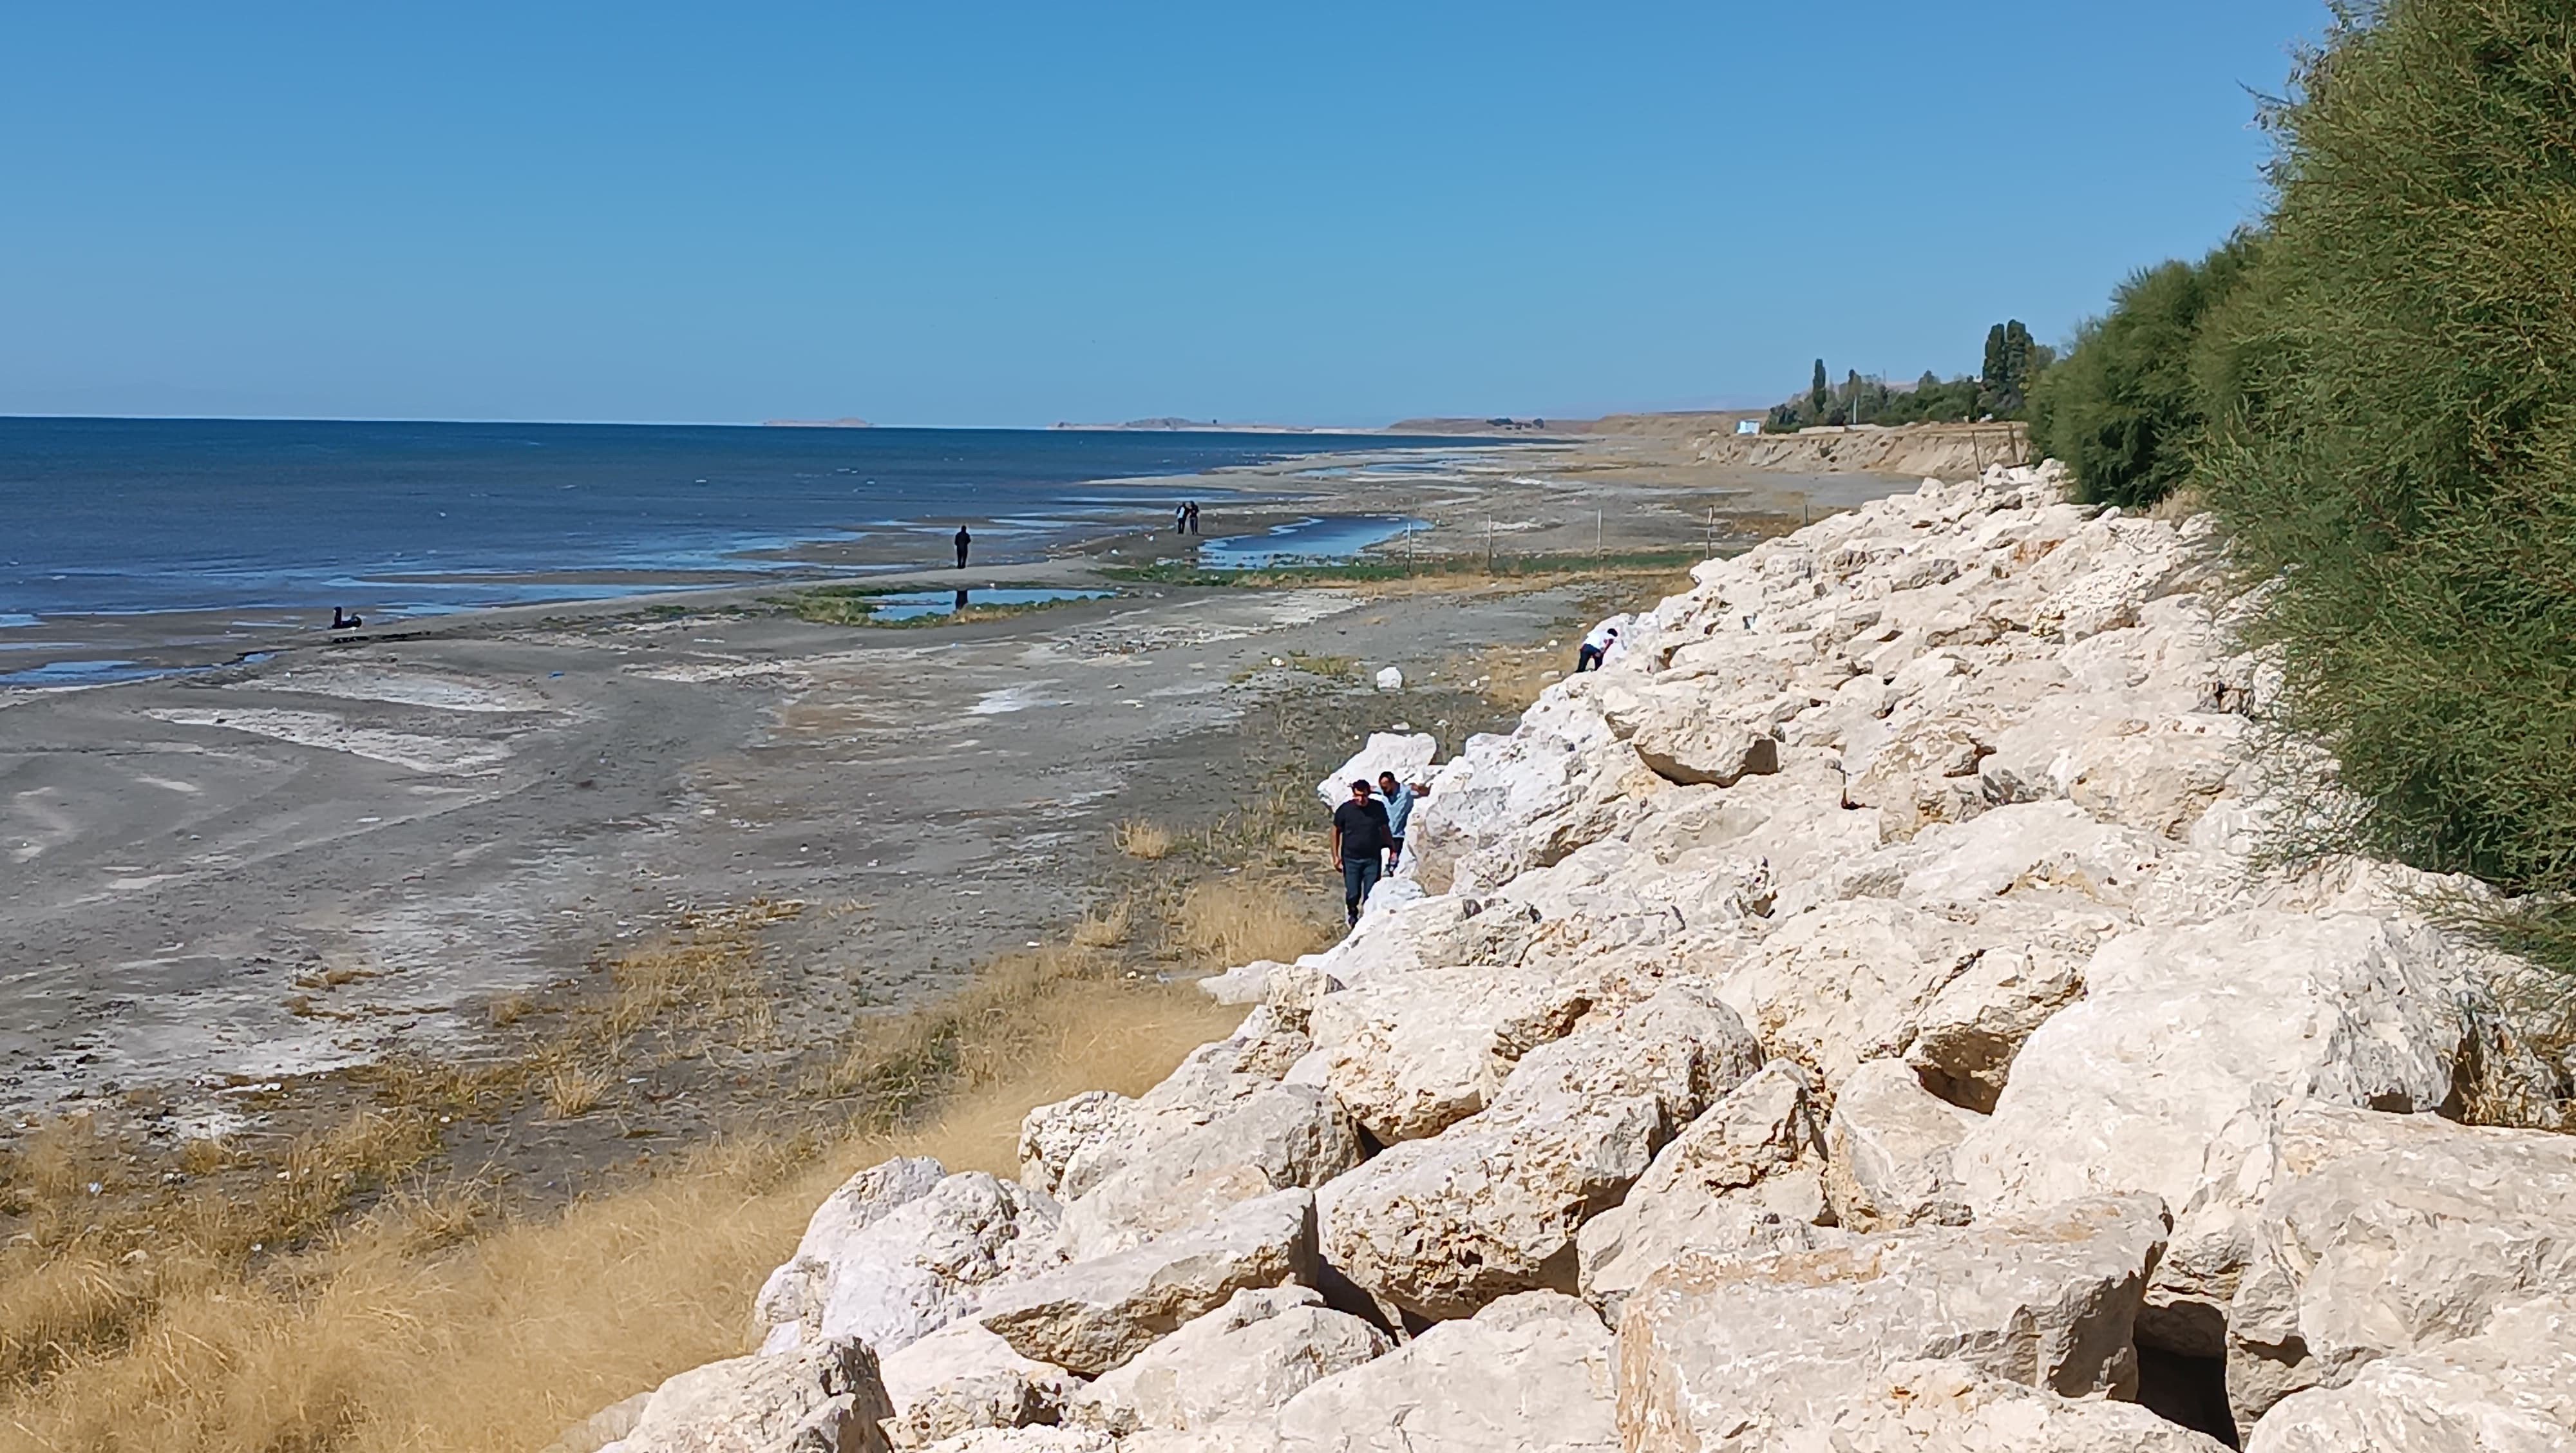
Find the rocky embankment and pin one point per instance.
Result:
(1853, 1021)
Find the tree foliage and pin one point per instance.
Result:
(2013, 360)
(2398, 457)
(2131, 400)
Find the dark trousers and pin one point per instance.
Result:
(1587, 659)
(961, 557)
(1359, 876)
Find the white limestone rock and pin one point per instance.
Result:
(1529, 1374)
(1027, 1440)
(1052, 1135)
(2186, 1031)
(1737, 1352)
(1241, 1362)
(1967, 1035)
(887, 1275)
(1407, 754)
(1411, 1054)
(962, 1377)
(1281, 1137)
(1092, 1316)
(1952, 1407)
(1747, 1172)
(823, 1397)
(1888, 1146)
(2510, 1389)
(2384, 1235)
(1492, 1205)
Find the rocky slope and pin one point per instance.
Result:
(1851, 1021)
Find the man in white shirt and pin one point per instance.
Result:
(1595, 646)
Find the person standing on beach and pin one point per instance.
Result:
(963, 540)
(1360, 842)
(1194, 517)
(1181, 518)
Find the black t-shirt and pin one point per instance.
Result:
(1363, 827)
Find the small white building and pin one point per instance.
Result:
(1748, 426)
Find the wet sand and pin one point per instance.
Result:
(353, 846)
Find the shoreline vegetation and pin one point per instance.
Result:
(361, 1284)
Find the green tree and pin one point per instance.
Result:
(2125, 409)
(2396, 457)
(1819, 394)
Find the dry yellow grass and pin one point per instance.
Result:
(1228, 921)
(573, 1090)
(1143, 840)
(415, 1330)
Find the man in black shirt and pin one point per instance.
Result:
(1360, 841)
(963, 540)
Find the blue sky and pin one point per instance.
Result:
(1004, 214)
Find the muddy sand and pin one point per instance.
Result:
(221, 880)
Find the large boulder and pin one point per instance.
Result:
(1952, 1407)
(1092, 1316)
(1967, 1035)
(962, 1377)
(1411, 1054)
(1845, 983)
(1407, 754)
(824, 1397)
(2384, 1235)
(887, 1274)
(2186, 1031)
(2510, 1389)
(1073, 1145)
(1529, 1374)
(1279, 1138)
(1239, 1363)
(1492, 1205)
(1748, 1168)
(1887, 1151)
(1736, 1352)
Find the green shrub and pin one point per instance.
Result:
(2399, 461)
(2126, 407)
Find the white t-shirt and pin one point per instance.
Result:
(1602, 635)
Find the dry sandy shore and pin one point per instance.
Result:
(387, 833)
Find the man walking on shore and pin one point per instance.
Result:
(1360, 842)
(963, 540)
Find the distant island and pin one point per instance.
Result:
(1207, 426)
(816, 424)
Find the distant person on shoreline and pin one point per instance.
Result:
(1194, 517)
(341, 620)
(1181, 518)
(1596, 647)
(963, 540)
(1360, 843)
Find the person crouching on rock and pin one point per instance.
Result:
(1360, 843)
(1595, 647)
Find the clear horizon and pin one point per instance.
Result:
(1013, 216)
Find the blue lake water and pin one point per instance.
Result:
(116, 515)
(1324, 538)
